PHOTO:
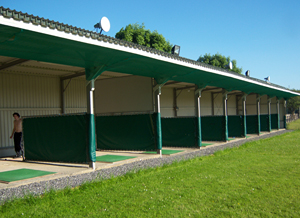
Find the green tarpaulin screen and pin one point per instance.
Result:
(274, 121)
(213, 128)
(56, 139)
(235, 126)
(126, 132)
(264, 122)
(251, 124)
(178, 132)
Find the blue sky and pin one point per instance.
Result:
(262, 36)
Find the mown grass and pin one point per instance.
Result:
(258, 179)
(295, 125)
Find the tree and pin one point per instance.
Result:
(293, 103)
(138, 34)
(219, 60)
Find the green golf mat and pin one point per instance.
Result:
(205, 144)
(20, 174)
(164, 152)
(112, 158)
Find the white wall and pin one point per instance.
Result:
(186, 103)
(32, 95)
(123, 94)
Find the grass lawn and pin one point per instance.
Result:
(258, 179)
(295, 125)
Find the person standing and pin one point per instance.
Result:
(17, 133)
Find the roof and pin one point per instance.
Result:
(34, 38)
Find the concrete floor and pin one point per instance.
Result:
(65, 169)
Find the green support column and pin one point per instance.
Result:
(198, 117)
(278, 113)
(269, 113)
(157, 93)
(284, 118)
(91, 132)
(258, 114)
(244, 115)
(225, 115)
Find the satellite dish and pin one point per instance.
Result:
(247, 73)
(230, 65)
(104, 24)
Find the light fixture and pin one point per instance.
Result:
(176, 50)
(267, 79)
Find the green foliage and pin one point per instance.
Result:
(258, 179)
(138, 34)
(293, 103)
(219, 60)
(295, 125)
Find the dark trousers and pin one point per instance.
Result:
(17, 140)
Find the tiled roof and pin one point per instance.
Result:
(39, 21)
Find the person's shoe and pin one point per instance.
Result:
(17, 155)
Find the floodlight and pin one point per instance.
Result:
(176, 50)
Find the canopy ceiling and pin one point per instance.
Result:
(62, 44)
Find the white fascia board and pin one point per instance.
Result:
(61, 34)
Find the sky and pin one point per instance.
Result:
(263, 36)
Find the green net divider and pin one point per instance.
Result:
(213, 128)
(56, 138)
(178, 131)
(251, 124)
(235, 126)
(126, 132)
(274, 121)
(264, 122)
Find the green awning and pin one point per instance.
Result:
(96, 53)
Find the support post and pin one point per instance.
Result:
(284, 118)
(62, 97)
(278, 113)
(258, 114)
(175, 101)
(157, 93)
(225, 113)
(212, 104)
(269, 113)
(244, 115)
(198, 117)
(91, 123)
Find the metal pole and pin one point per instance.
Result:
(269, 113)
(225, 115)
(278, 114)
(91, 124)
(284, 120)
(62, 97)
(157, 93)
(258, 114)
(244, 116)
(175, 101)
(198, 117)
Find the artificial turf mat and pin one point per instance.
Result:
(205, 144)
(165, 152)
(20, 174)
(112, 158)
